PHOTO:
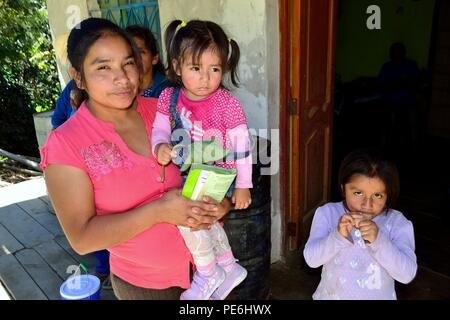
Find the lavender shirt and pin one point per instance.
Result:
(357, 270)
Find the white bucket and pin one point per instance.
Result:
(42, 126)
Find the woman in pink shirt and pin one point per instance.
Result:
(104, 182)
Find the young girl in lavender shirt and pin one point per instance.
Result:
(362, 243)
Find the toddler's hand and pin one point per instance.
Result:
(164, 153)
(241, 198)
(345, 226)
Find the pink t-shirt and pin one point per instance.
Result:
(122, 180)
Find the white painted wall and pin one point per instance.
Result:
(63, 15)
(254, 25)
(273, 111)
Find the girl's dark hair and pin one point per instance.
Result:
(371, 163)
(150, 42)
(196, 37)
(84, 35)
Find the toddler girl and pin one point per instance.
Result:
(198, 55)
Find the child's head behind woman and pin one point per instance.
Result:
(150, 43)
(369, 183)
(105, 62)
(200, 47)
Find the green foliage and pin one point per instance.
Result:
(28, 74)
(27, 57)
(17, 133)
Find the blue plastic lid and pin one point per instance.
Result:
(79, 287)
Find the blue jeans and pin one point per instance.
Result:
(102, 257)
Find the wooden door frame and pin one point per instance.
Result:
(284, 119)
(288, 173)
(292, 222)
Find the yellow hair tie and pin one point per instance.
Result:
(183, 23)
(229, 40)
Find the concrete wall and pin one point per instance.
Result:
(254, 25)
(63, 15)
(273, 112)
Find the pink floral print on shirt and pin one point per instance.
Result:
(102, 158)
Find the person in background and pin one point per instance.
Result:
(66, 105)
(153, 78)
(399, 82)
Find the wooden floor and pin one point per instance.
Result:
(294, 281)
(34, 253)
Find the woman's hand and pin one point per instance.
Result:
(192, 214)
(222, 209)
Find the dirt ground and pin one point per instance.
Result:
(12, 172)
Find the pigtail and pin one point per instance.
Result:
(169, 36)
(170, 33)
(233, 61)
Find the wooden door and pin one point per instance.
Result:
(312, 79)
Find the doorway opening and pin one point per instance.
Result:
(418, 142)
(405, 111)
